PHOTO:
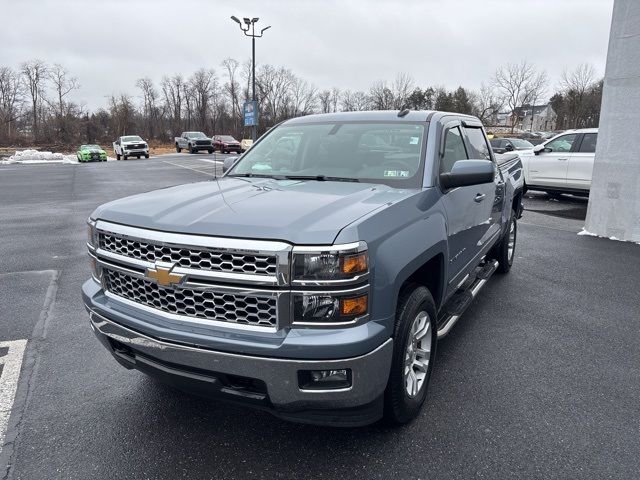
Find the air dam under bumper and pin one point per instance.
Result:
(218, 374)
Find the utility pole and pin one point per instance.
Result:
(250, 24)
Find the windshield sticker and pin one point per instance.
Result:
(396, 173)
(413, 140)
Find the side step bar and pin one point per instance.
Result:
(481, 279)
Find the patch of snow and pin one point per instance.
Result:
(590, 234)
(35, 156)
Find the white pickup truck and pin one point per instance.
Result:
(130, 146)
(563, 164)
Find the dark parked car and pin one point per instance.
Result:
(226, 144)
(505, 145)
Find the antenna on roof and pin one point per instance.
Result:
(403, 112)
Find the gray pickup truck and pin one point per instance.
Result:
(193, 142)
(316, 276)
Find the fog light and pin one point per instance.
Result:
(324, 379)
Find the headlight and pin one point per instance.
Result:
(329, 308)
(92, 235)
(92, 243)
(336, 264)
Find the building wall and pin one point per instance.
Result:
(614, 202)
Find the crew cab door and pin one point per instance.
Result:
(469, 209)
(580, 169)
(548, 168)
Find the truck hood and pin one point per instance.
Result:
(300, 212)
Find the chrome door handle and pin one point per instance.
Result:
(479, 197)
(563, 159)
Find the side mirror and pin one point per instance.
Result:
(539, 149)
(228, 163)
(468, 172)
(508, 147)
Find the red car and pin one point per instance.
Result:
(226, 144)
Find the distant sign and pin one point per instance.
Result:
(250, 113)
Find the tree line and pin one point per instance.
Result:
(36, 106)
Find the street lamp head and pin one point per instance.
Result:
(247, 20)
(254, 19)
(265, 28)
(235, 19)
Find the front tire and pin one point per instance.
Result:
(505, 250)
(124, 157)
(415, 339)
(146, 155)
(210, 151)
(178, 149)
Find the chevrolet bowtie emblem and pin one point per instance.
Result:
(162, 275)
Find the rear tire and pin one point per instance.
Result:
(414, 350)
(118, 156)
(505, 250)
(178, 149)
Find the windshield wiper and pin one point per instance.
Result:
(321, 178)
(257, 175)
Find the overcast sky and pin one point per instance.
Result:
(108, 44)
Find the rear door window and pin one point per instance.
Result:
(478, 147)
(588, 144)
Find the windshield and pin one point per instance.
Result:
(195, 135)
(389, 153)
(227, 138)
(520, 144)
(132, 138)
(89, 147)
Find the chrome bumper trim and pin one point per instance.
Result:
(369, 372)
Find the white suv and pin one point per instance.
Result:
(563, 164)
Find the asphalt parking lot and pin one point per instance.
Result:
(540, 379)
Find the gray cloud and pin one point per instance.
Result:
(349, 44)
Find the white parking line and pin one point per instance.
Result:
(188, 168)
(11, 363)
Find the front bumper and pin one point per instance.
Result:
(136, 151)
(263, 382)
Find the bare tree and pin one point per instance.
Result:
(34, 74)
(519, 84)
(488, 104)
(354, 101)
(575, 86)
(122, 113)
(149, 105)
(324, 97)
(273, 84)
(11, 100)
(381, 96)
(401, 88)
(302, 98)
(173, 91)
(203, 83)
(232, 89)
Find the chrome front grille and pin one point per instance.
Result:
(203, 304)
(189, 257)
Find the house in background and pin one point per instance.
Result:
(536, 118)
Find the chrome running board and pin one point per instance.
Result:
(481, 279)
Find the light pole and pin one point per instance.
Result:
(250, 24)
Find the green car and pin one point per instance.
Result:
(91, 153)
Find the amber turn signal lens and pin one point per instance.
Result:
(354, 306)
(354, 263)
